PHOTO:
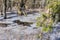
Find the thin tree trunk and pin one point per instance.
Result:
(11, 5)
(33, 6)
(22, 6)
(5, 4)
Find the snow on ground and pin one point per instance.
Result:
(15, 32)
(20, 32)
(29, 17)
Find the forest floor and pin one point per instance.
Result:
(9, 30)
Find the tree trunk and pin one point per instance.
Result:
(33, 6)
(22, 7)
(5, 4)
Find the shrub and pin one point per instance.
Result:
(46, 20)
